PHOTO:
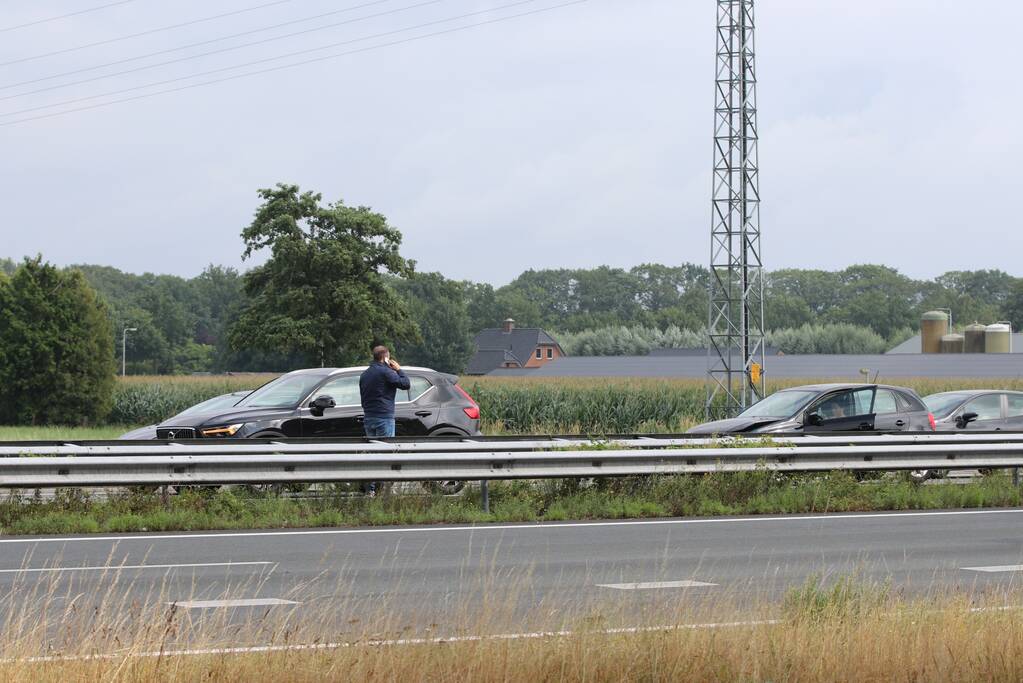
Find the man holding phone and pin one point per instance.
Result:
(377, 386)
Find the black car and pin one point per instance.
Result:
(325, 402)
(981, 409)
(829, 408)
(210, 405)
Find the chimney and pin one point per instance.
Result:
(508, 325)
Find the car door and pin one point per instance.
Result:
(887, 417)
(842, 411)
(1014, 412)
(988, 408)
(345, 418)
(415, 410)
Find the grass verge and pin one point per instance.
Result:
(763, 492)
(850, 633)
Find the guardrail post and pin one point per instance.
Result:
(485, 495)
(1015, 476)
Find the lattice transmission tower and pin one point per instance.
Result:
(736, 321)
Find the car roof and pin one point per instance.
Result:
(325, 372)
(840, 385)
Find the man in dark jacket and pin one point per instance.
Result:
(377, 386)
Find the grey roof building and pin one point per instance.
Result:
(511, 347)
(844, 367)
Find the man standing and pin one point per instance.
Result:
(377, 386)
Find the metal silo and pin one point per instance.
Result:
(952, 343)
(998, 338)
(933, 326)
(974, 342)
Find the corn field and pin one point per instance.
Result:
(512, 405)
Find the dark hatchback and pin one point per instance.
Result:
(829, 408)
(981, 409)
(325, 402)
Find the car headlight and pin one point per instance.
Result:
(229, 430)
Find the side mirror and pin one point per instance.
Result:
(965, 419)
(813, 419)
(320, 404)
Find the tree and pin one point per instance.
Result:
(439, 308)
(58, 358)
(322, 292)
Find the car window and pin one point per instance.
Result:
(884, 402)
(987, 407)
(344, 391)
(780, 404)
(943, 404)
(845, 404)
(283, 392)
(420, 385)
(1015, 405)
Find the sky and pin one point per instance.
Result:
(573, 137)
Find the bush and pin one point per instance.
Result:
(57, 359)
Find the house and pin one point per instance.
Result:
(512, 347)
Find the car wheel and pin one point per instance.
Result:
(446, 487)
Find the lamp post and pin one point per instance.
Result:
(124, 348)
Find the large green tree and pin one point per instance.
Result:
(57, 365)
(322, 291)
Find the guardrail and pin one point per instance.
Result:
(218, 462)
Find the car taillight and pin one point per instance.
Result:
(473, 411)
(934, 425)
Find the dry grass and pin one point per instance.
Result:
(871, 636)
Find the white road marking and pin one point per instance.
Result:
(118, 567)
(390, 643)
(510, 527)
(644, 585)
(240, 602)
(997, 568)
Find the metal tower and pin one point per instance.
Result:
(736, 320)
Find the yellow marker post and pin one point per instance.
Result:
(754, 373)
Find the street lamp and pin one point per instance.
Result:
(124, 348)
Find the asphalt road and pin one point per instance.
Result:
(438, 574)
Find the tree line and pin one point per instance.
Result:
(335, 282)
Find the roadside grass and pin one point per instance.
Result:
(58, 433)
(143, 509)
(847, 630)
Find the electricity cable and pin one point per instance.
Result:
(264, 60)
(295, 64)
(147, 32)
(213, 52)
(64, 16)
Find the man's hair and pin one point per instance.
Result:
(379, 352)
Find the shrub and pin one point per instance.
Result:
(57, 359)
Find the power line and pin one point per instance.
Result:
(211, 52)
(264, 60)
(300, 63)
(145, 33)
(64, 16)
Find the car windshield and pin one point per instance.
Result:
(213, 404)
(283, 392)
(780, 404)
(942, 405)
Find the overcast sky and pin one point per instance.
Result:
(570, 138)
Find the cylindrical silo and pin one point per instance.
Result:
(933, 326)
(974, 338)
(998, 338)
(952, 343)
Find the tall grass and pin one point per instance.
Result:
(857, 635)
